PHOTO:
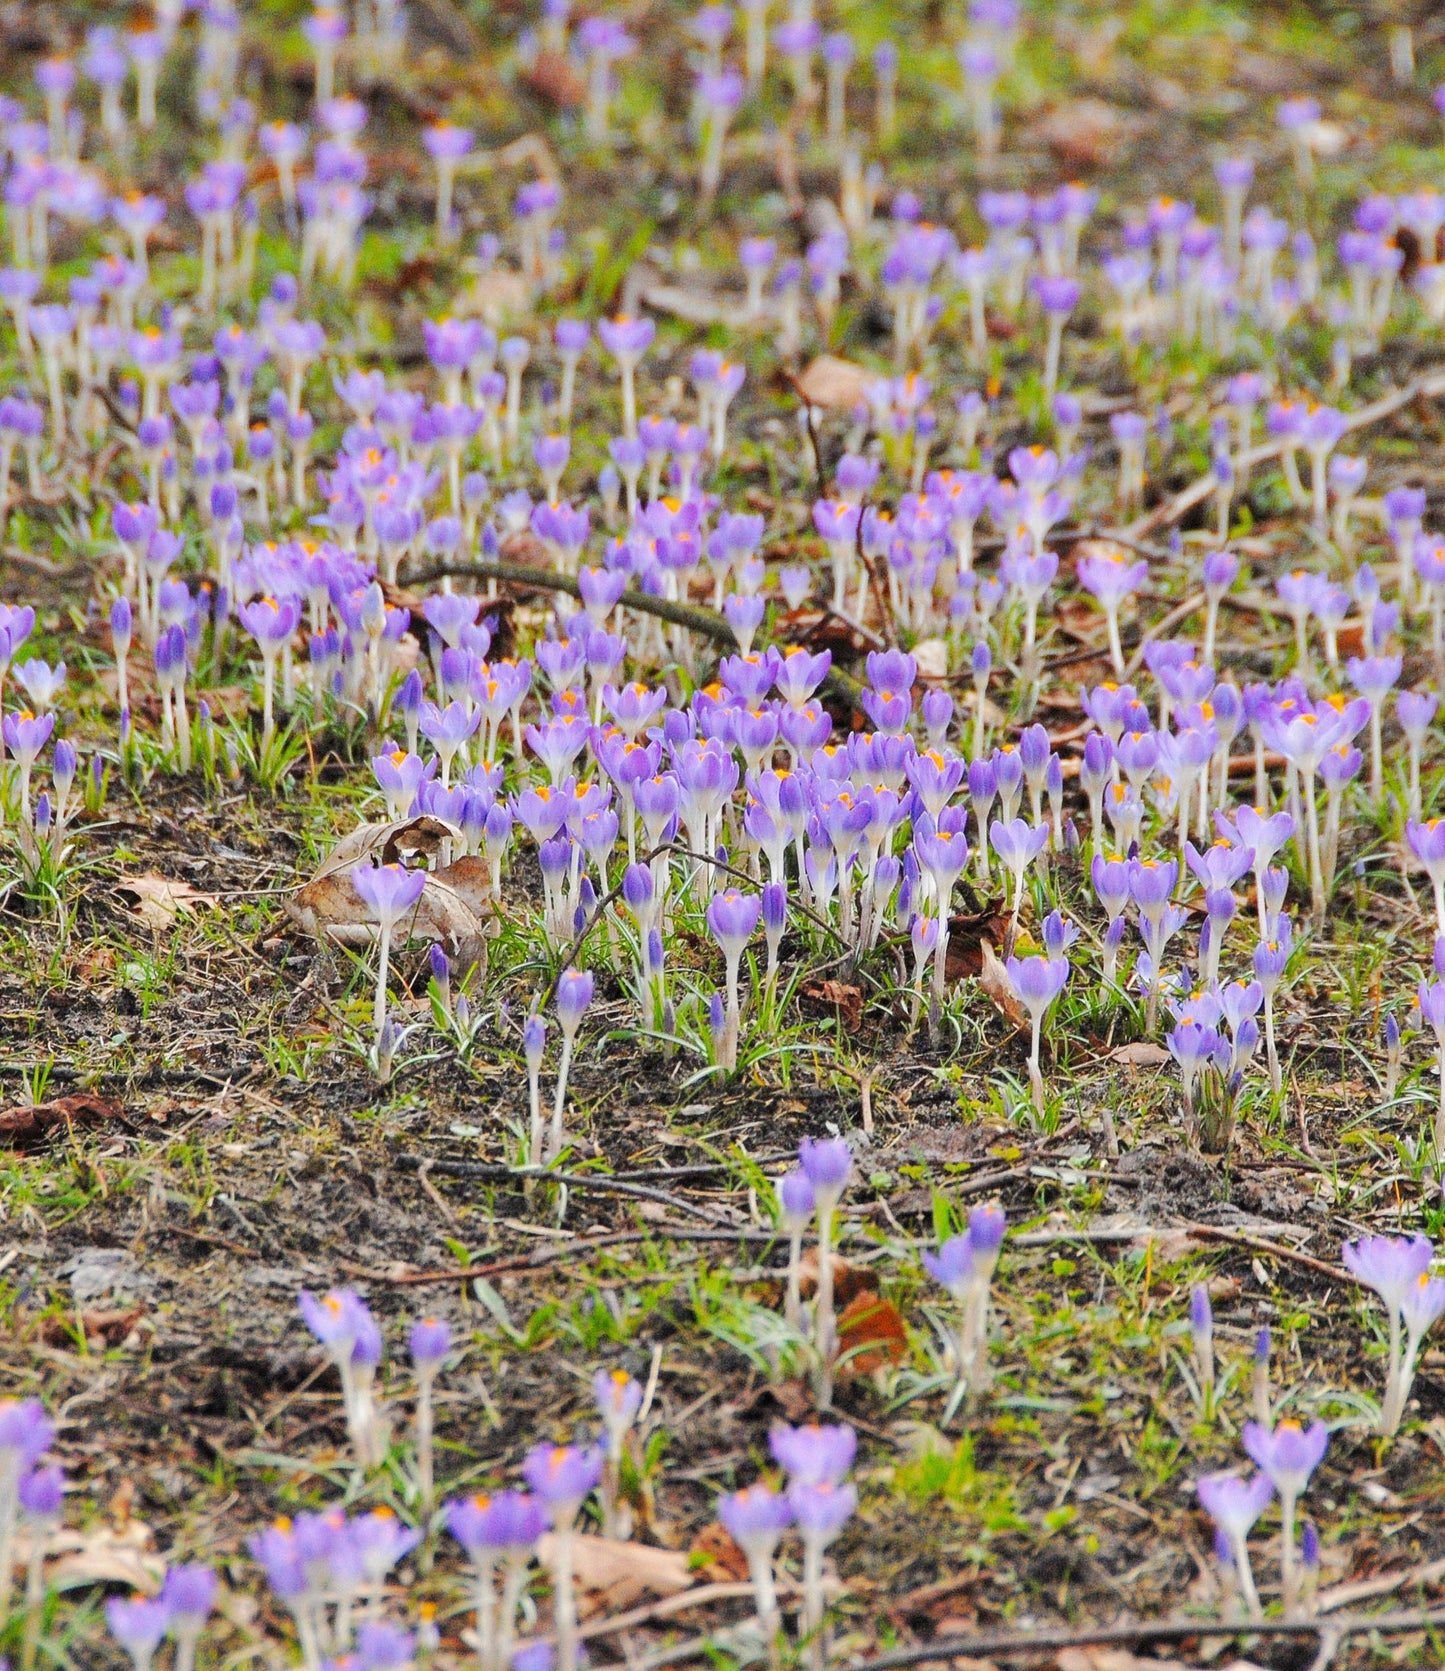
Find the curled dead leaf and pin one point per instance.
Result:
(931, 654)
(158, 900)
(848, 1280)
(102, 1328)
(1084, 132)
(551, 77)
(1142, 1053)
(966, 936)
(455, 908)
(993, 979)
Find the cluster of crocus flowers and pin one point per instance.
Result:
(1397, 1269)
(810, 1194)
(1286, 1457)
(817, 1502)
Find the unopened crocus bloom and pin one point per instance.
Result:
(1396, 1268)
(189, 1593)
(627, 340)
(1415, 710)
(1234, 1505)
(534, 1044)
(796, 1207)
(1287, 1457)
(1037, 983)
(1430, 998)
(1427, 842)
(574, 994)
(826, 1162)
(732, 917)
(1201, 1335)
(1058, 296)
(447, 146)
(756, 1518)
(563, 1477)
(139, 1625)
(618, 1398)
(429, 1340)
(964, 1265)
(390, 892)
(272, 622)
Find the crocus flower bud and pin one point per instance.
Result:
(1201, 1328)
(441, 973)
(429, 1342)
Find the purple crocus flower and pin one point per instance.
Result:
(1287, 1456)
(139, 1625)
(1037, 983)
(1234, 1505)
(756, 1518)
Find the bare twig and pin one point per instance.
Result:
(1001, 1644)
(1173, 510)
(706, 622)
(565, 1251)
(484, 1172)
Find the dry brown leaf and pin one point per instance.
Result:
(105, 1554)
(403, 842)
(994, 981)
(619, 1574)
(158, 900)
(966, 936)
(551, 77)
(499, 295)
(716, 1557)
(1083, 132)
(105, 1328)
(870, 1334)
(31, 1121)
(931, 654)
(1116, 1659)
(839, 995)
(455, 908)
(848, 1280)
(1142, 1053)
(831, 382)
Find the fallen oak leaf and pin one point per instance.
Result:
(1141, 1053)
(832, 382)
(551, 77)
(158, 900)
(966, 935)
(455, 908)
(29, 1122)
